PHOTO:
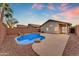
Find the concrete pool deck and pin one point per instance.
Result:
(53, 45)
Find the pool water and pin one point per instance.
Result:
(29, 38)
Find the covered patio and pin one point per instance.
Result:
(64, 27)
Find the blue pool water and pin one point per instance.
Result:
(29, 38)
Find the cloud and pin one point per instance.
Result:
(37, 6)
(71, 15)
(50, 7)
(64, 6)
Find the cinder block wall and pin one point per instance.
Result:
(24, 30)
(77, 30)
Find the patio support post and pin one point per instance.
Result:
(67, 28)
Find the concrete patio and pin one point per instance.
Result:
(53, 45)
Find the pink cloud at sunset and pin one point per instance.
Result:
(41, 6)
(63, 6)
(50, 7)
(37, 6)
(71, 15)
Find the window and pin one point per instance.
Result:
(50, 25)
(47, 28)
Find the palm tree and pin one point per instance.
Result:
(6, 11)
(11, 22)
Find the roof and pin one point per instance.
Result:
(34, 25)
(21, 26)
(55, 21)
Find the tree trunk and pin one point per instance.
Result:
(2, 27)
(2, 32)
(2, 15)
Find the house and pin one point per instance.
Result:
(23, 26)
(34, 27)
(53, 26)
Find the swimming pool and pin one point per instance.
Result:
(29, 38)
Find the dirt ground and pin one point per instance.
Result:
(72, 47)
(10, 48)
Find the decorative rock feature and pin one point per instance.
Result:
(37, 41)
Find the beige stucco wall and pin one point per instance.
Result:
(53, 27)
(66, 29)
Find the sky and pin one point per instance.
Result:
(38, 13)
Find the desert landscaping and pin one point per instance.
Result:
(61, 38)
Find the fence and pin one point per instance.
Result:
(77, 30)
(21, 30)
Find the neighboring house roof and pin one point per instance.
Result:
(34, 25)
(21, 26)
(55, 21)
